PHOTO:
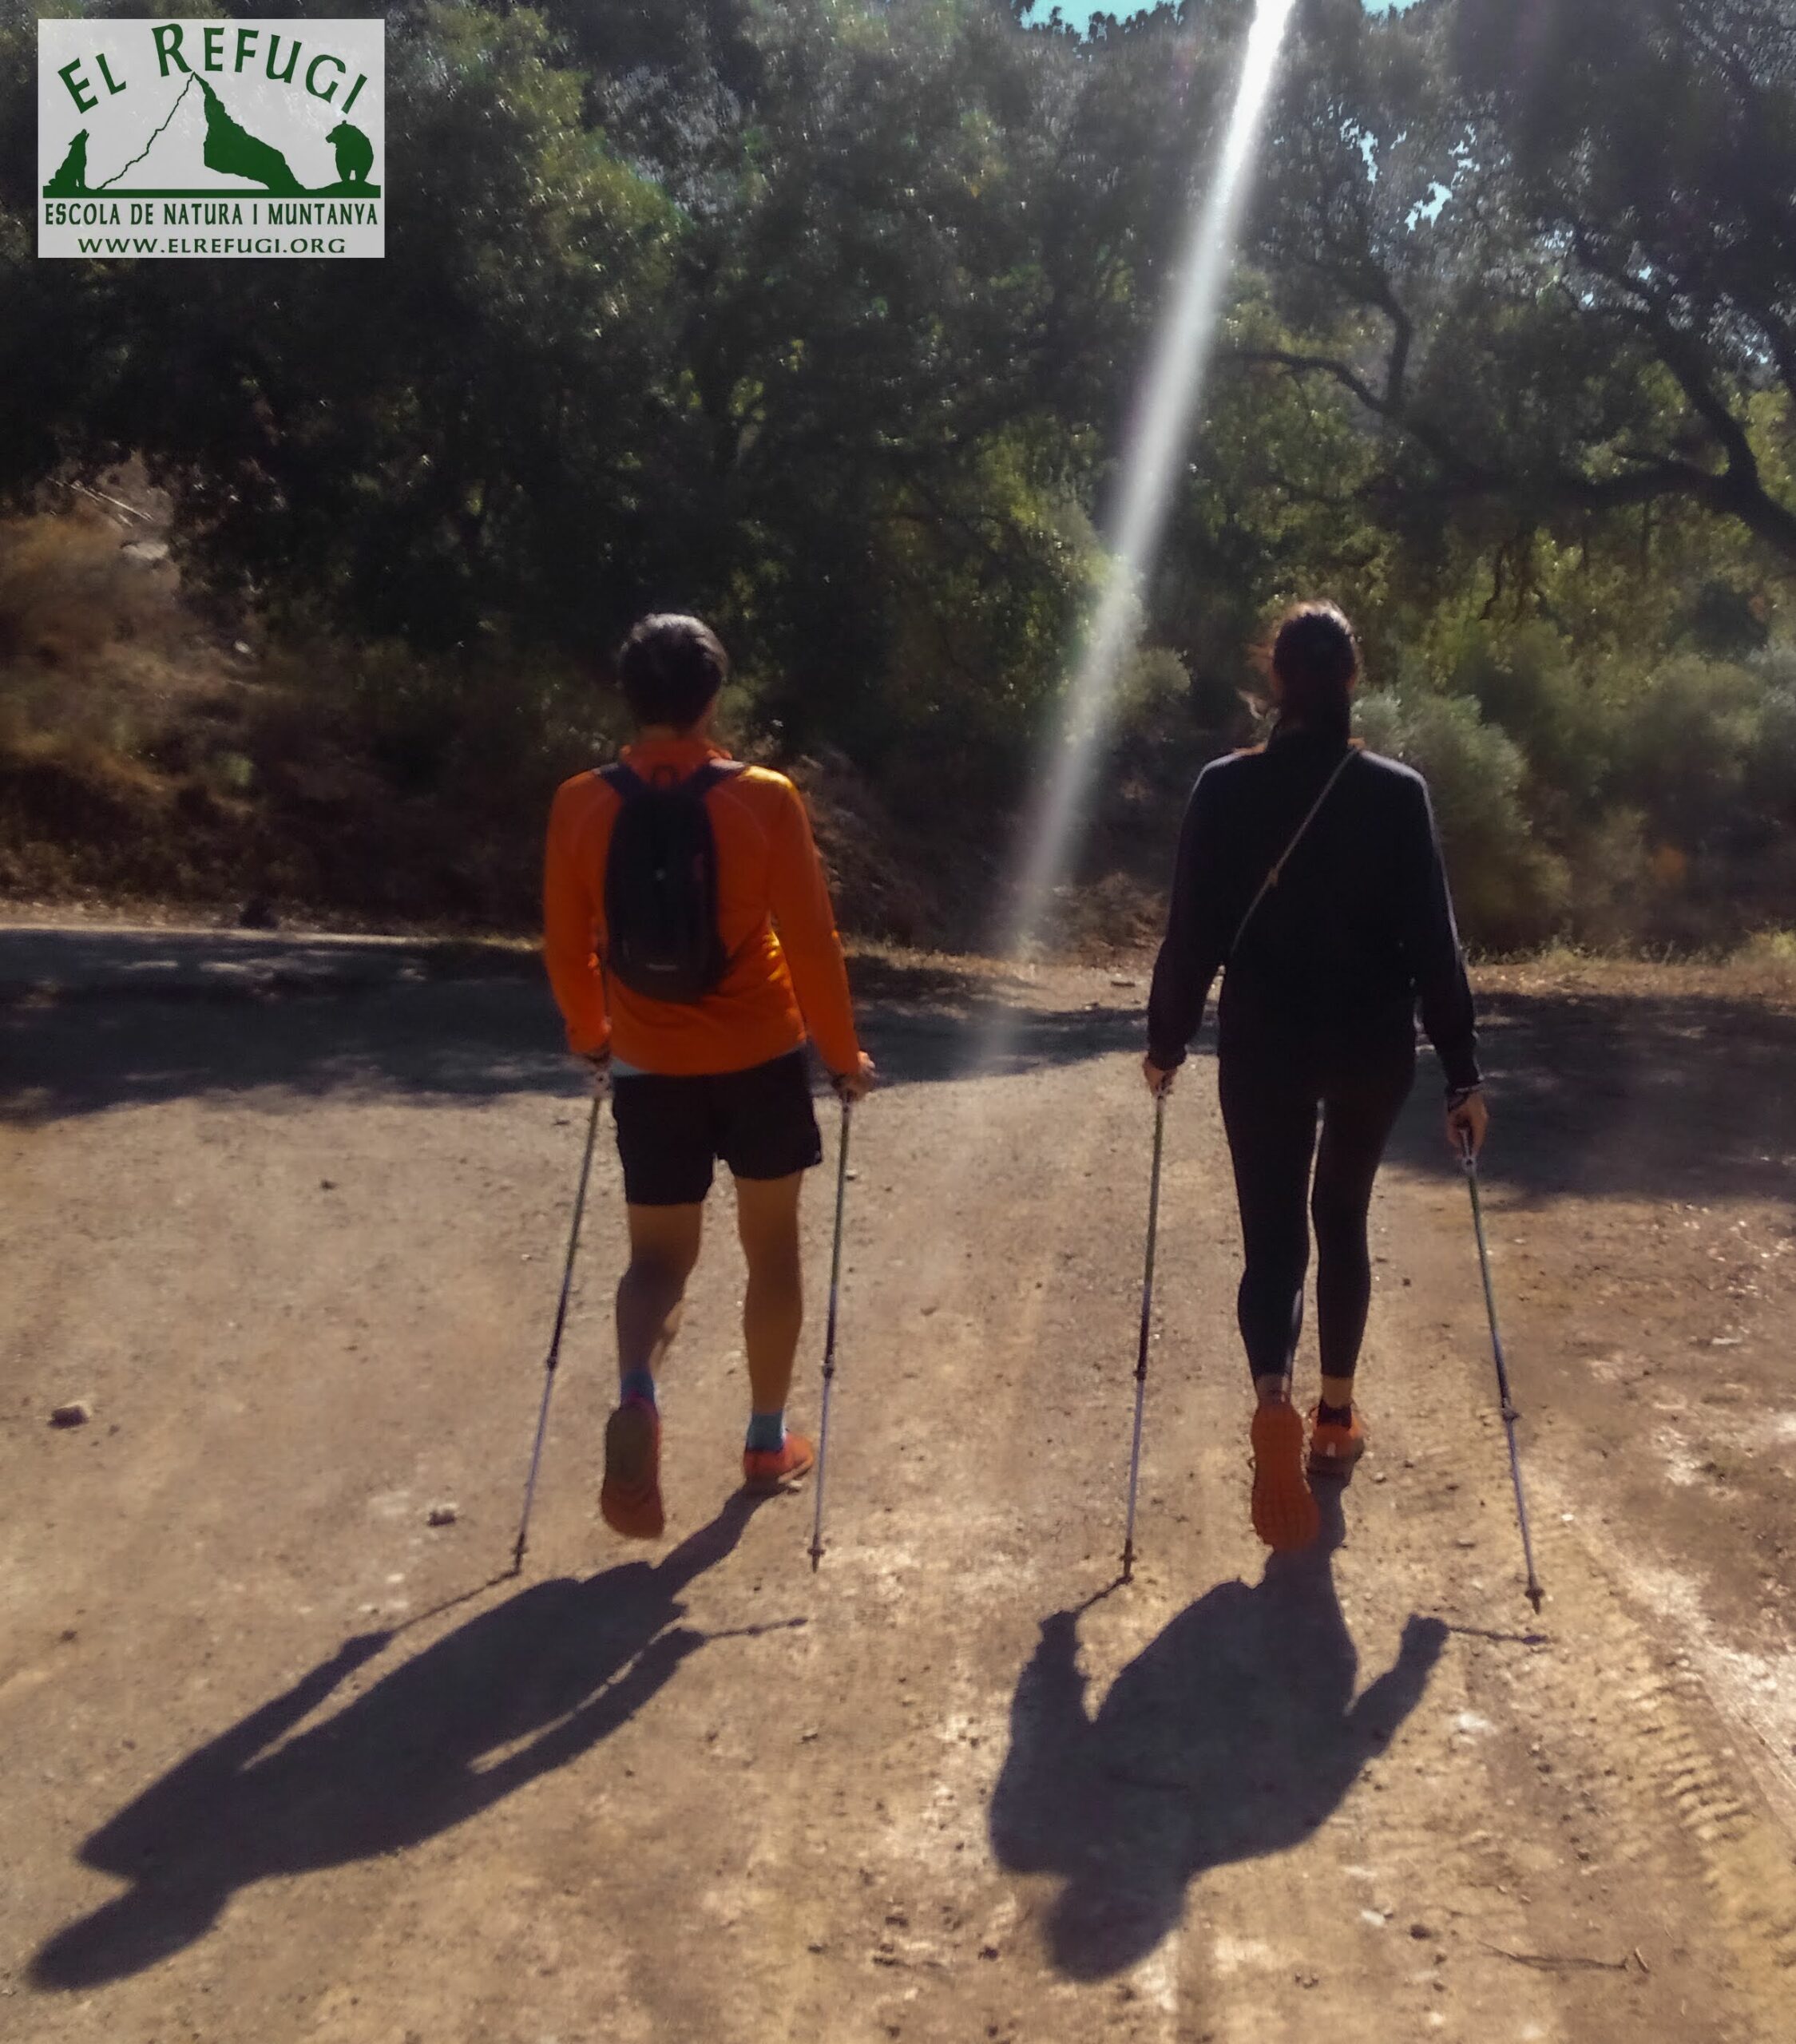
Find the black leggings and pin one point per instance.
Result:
(1270, 1097)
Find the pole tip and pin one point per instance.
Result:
(1537, 1596)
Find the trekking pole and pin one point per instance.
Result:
(1510, 1415)
(555, 1340)
(829, 1338)
(1146, 1327)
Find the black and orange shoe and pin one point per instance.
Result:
(1286, 1516)
(630, 1497)
(1334, 1449)
(768, 1471)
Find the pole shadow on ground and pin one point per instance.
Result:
(1235, 1735)
(561, 1664)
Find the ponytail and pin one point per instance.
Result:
(1315, 656)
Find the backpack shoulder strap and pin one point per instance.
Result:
(1278, 872)
(628, 782)
(713, 774)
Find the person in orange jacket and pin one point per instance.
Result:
(692, 948)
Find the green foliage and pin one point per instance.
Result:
(826, 318)
(1527, 682)
(1510, 890)
(1769, 777)
(1684, 752)
(1540, 249)
(1153, 691)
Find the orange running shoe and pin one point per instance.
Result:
(768, 1471)
(1333, 1449)
(630, 1497)
(1286, 1516)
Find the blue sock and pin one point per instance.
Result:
(637, 1384)
(767, 1432)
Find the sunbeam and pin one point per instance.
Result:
(1183, 349)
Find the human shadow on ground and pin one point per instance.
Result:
(91, 1021)
(1612, 1095)
(1599, 1094)
(68, 1052)
(517, 1691)
(1235, 1735)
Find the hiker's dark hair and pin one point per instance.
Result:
(671, 669)
(1315, 657)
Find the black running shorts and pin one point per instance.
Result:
(670, 1130)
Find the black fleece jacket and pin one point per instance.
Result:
(1359, 928)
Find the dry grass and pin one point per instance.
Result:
(1762, 971)
(145, 757)
(70, 593)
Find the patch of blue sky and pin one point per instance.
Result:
(1077, 14)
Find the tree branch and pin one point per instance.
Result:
(1391, 405)
(1736, 491)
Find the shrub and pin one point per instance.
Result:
(1684, 750)
(1526, 682)
(1511, 892)
(1771, 770)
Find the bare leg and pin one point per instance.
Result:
(663, 1248)
(773, 1306)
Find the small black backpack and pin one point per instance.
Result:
(660, 885)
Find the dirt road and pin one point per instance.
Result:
(290, 1218)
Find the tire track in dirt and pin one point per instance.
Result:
(1658, 1715)
(789, 1832)
(1632, 1769)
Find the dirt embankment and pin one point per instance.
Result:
(154, 760)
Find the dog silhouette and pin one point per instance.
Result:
(72, 175)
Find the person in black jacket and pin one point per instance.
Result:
(1312, 869)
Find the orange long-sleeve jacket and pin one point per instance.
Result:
(773, 915)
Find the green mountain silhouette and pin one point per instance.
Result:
(231, 151)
